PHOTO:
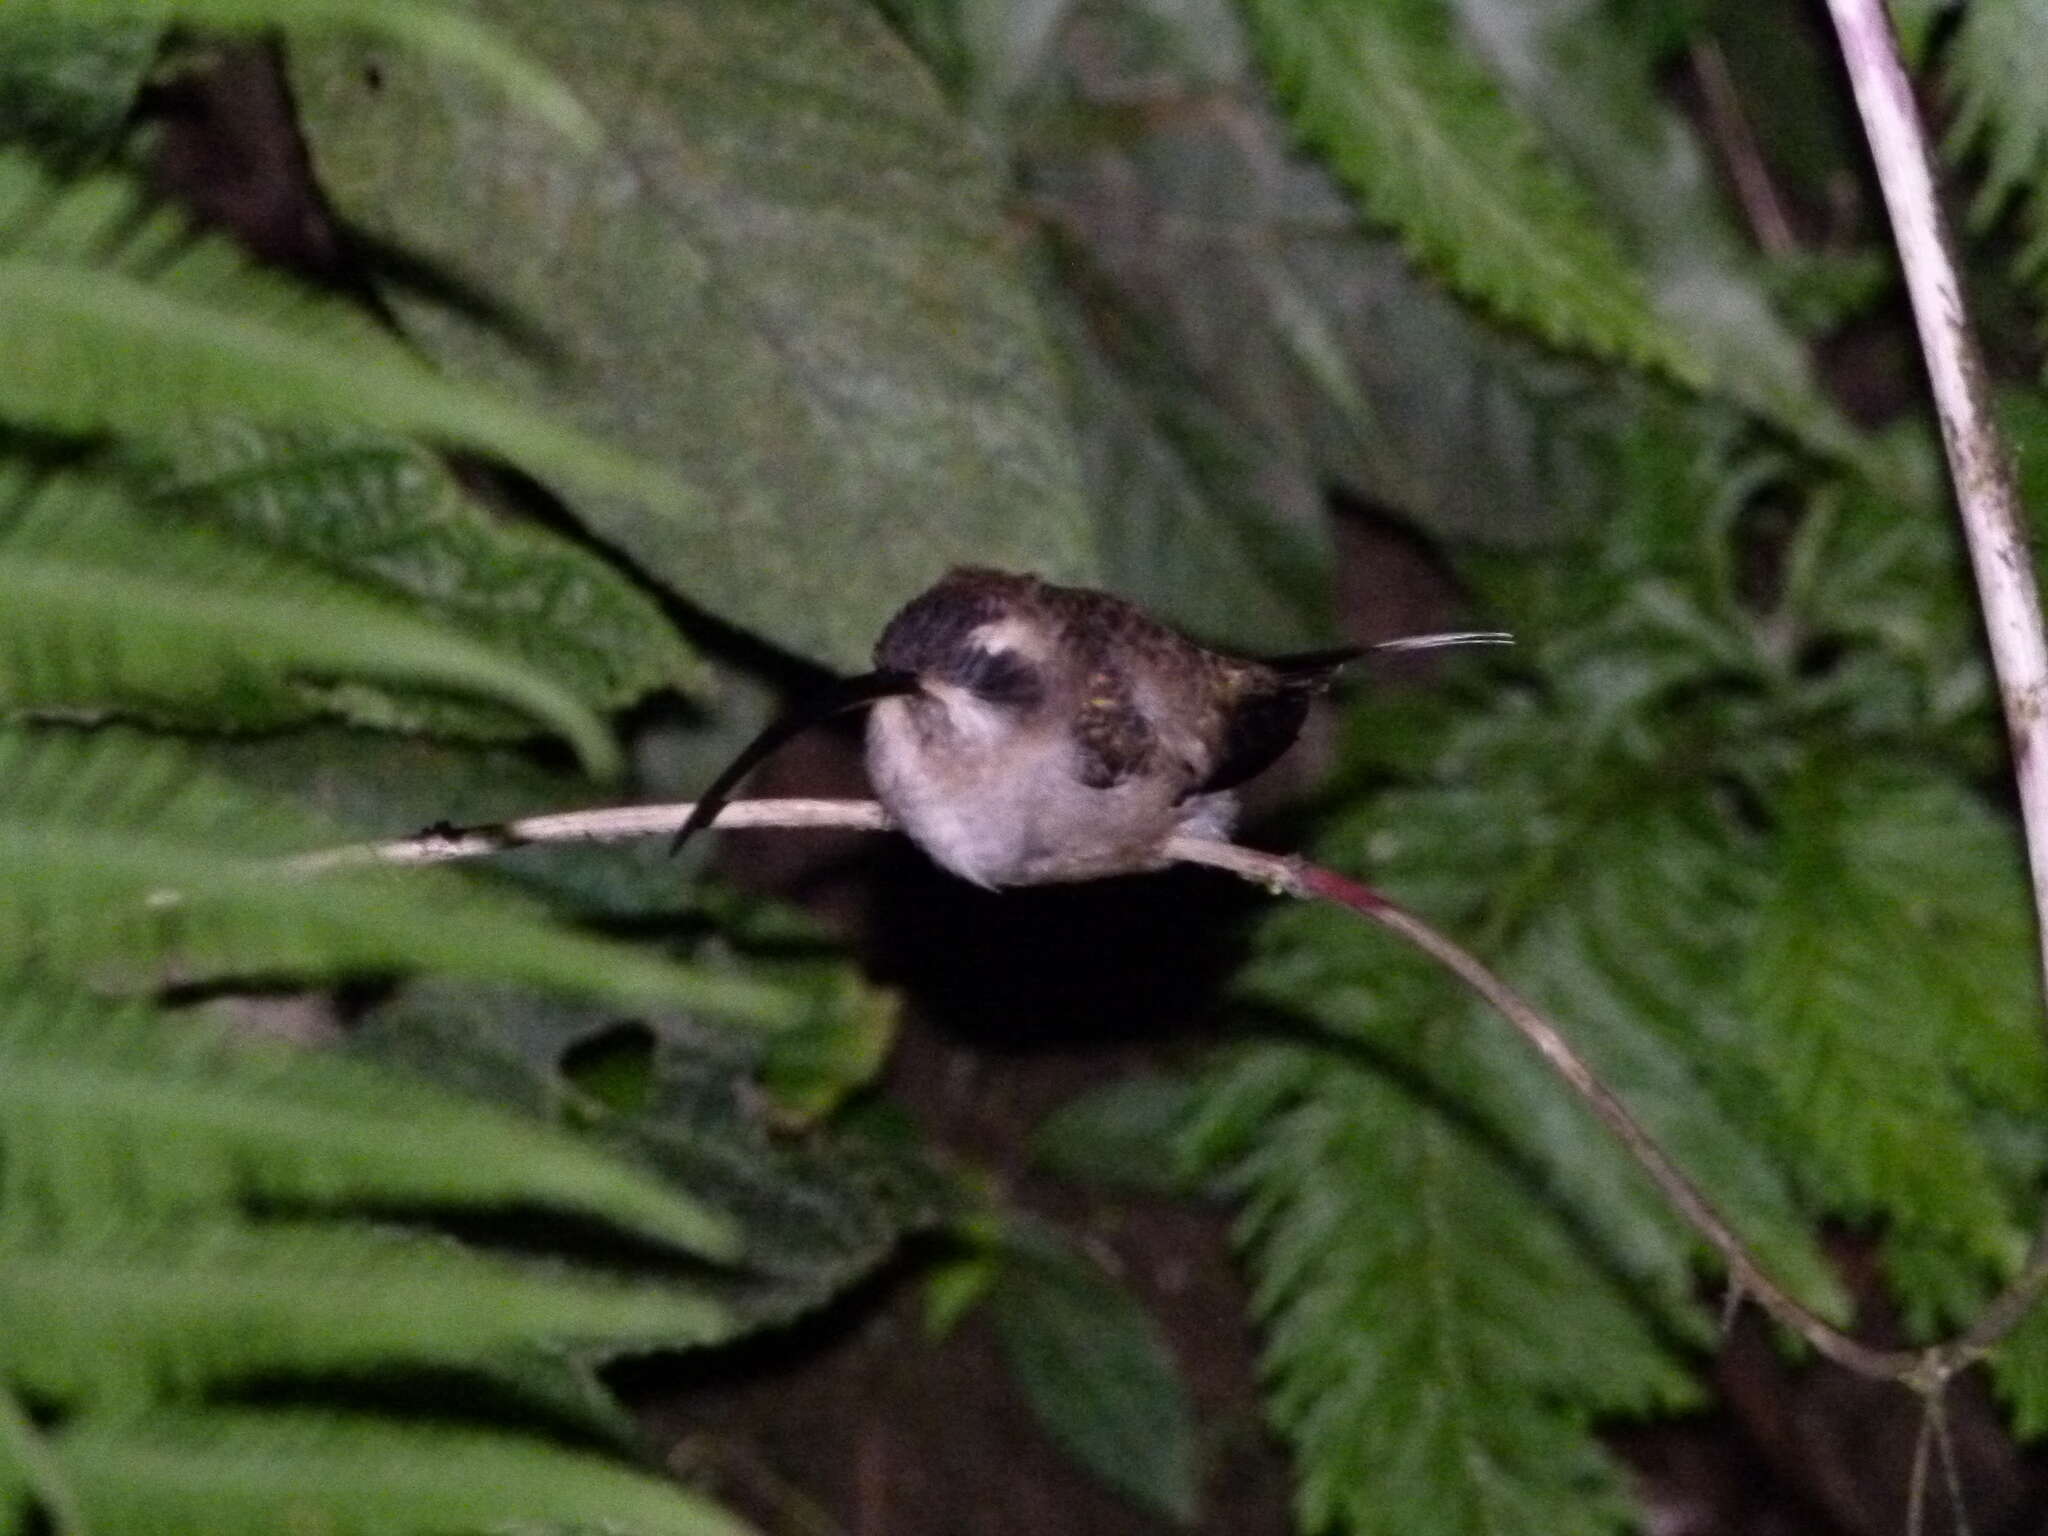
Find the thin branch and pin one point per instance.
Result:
(1282, 876)
(1740, 150)
(612, 824)
(1687, 1198)
(1981, 466)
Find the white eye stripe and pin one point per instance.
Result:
(1002, 636)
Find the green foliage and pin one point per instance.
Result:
(208, 1472)
(386, 511)
(1999, 111)
(1385, 89)
(230, 1125)
(1398, 1260)
(1722, 812)
(814, 1212)
(1096, 1372)
(1693, 833)
(1892, 975)
(433, 28)
(1587, 71)
(66, 85)
(110, 612)
(842, 357)
(123, 854)
(134, 1315)
(121, 320)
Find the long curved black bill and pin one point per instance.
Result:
(851, 694)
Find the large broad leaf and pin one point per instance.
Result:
(138, 1314)
(1241, 343)
(1408, 118)
(1200, 521)
(698, 1108)
(117, 319)
(123, 854)
(218, 1472)
(107, 1108)
(103, 610)
(383, 509)
(1097, 1373)
(787, 277)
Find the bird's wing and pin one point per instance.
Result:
(1112, 738)
(1266, 713)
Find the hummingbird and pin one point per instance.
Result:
(1023, 733)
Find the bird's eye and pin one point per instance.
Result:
(1000, 677)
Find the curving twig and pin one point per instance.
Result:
(1282, 876)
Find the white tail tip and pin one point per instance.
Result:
(1453, 637)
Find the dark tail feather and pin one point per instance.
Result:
(1314, 669)
(837, 700)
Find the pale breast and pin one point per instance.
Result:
(1005, 807)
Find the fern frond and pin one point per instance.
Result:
(109, 1107)
(381, 509)
(221, 1472)
(1437, 1339)
(1423, 137)
(134, 1315)
(102, 610)
(118, 319)
(1999, 106)
(1571, 876)
(437, 29)
(118, 852)
(1891, 981)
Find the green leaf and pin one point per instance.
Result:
(381, 509)
(107, 1107)
(1894, 977)
(132, 1315)
(1200, 521)
(1438, 1341)
(815, 1212)
(121, 853)
(437, 30)
(1385, 89)
(2020, 1368)
(1591, 81)
(1121, 1135)
(1243, 344)
(1098, 1375)
(108, 611)
(219, 1472)
(66, 86)
(107, 311)
(1567, 863)
(1999, 110)
(840, 352)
